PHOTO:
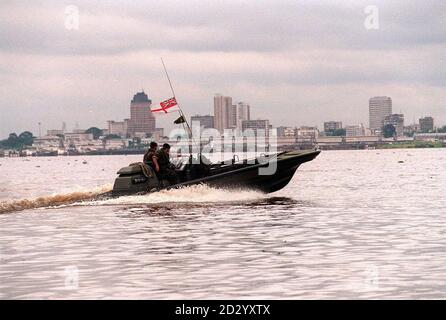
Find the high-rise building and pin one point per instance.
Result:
(243, 113)
(141, 118)
(224, 117)
(426, 124)
(397, 120)
(206, 121)
(331, 126)
(233, 117)
(379, 108)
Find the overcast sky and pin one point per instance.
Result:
(295, 62)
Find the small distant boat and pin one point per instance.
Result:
(243, 174)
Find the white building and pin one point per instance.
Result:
(355, 131)
(114, 144)
(119, 128)
(379, 108)
(243, 113)
(306, 133)
(79, 140)
(48, 143)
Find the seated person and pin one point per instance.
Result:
(150, 158)
(166, 170)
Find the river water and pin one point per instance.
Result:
(351, 224)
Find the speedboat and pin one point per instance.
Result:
(138, 178)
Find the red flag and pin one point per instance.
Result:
(167, 106)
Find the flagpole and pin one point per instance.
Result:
(179, 108)
(173, 93)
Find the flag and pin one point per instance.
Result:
(167, 106)
(180, 120)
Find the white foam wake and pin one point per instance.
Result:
(191, 194)
(52, 200)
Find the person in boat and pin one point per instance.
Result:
(150, 158)
(166, 168)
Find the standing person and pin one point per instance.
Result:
(166, 169)
(150, 158)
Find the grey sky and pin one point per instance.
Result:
(295, 62)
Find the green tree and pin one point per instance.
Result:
(26, 138)
(442, 129)
(388, 130)
(15, 141)
(95, 131)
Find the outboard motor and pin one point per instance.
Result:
(132, 179)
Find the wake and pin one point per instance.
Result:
(52, 201)
(190, 194)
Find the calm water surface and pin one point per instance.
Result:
(351, 224)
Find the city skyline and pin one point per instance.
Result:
(235, 114)
(316, 62)
(123, 127)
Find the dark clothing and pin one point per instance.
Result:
(148, 157)
(163, 159)
(167, 171)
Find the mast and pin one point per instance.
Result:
(179, 108)
(189, 130)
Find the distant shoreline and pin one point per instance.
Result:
(433, 145)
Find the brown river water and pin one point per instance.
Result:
(351, 224)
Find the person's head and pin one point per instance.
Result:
(166, 147)
(153, 145)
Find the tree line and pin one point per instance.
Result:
(17, 142)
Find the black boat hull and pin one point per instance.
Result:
(246, 176)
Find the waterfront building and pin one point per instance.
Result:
(354, 131)
(47, 143)
(78, 130)
(431, 137)
(307, 134)
(119, 128)
(242, 113)
(206, 122)
(224, 117)
(397, 120)
(141, 119)
(256, 125)
(379, 108)
(426, 124)
(115, 144)
(411, 129)
(54, 132)
(331, 126)
(286, 131)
